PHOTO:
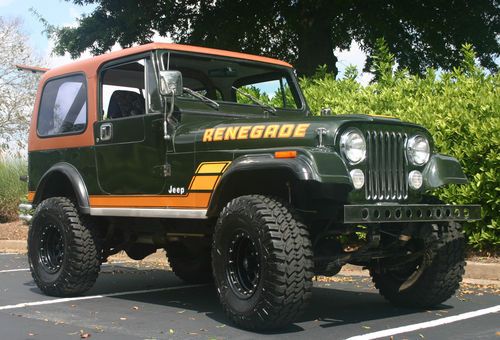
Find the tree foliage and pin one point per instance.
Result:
(12, 190)
(420, 34)
(17, 89)
(460, 108)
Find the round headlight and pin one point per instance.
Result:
(418, 150)
(353, 146)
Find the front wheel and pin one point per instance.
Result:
(262, 263)
(63, 254)
(429, 281)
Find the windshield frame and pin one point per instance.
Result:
(288, 73)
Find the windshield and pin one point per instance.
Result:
(231, 81)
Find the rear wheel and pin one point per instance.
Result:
(431, 279)
(262, 263)
(190, 260)
(63, 252)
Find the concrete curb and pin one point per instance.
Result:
(475, 272)
(13, 246)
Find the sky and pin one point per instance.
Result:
(57, 12)
(62, 13)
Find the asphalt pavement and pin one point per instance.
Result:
(132, 302)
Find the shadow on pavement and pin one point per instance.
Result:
(337, 305)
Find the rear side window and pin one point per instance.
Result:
(63, 107)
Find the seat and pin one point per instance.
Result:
(125, 104)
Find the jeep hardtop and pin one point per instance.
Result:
(216, 157)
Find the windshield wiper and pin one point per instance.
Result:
(213, 104)
(265, 107)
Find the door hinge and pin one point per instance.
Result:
(167, 170)
(164, 170)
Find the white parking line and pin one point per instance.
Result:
(9, 254)
(93, 297)
(14, 270)
(27, 269)
(428, 324)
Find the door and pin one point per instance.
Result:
(130, 149)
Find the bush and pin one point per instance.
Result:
(460, 108)
(12, 190)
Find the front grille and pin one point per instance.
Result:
(386, 166)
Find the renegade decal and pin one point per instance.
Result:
(255, 132)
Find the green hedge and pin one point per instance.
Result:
(12, 190)
(461, 109)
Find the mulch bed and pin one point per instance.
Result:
(17, 230)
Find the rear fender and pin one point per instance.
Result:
(69, 172)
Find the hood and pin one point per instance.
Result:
(277, 132)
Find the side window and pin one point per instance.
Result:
(63, 106)
(129, 89)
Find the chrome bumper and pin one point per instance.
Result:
(394, 213)
(25, 210)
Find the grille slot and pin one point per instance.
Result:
(386, 166)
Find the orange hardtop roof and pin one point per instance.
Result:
(95, 62)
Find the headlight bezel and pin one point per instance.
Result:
(344, 139)
(410, 149)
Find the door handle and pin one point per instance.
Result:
(106, 132)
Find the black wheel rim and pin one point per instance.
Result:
(51, 249)
(244, 265)
(412, 269)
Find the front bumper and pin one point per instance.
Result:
(25, 212)
(394, 213)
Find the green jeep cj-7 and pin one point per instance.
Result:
(216, 157)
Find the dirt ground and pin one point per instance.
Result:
(18, 230)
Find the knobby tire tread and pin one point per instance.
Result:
(289, 281)
(82, 259)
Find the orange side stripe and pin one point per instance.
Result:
(212, 167)
(203, 182)
(31, 196)
(192, 200)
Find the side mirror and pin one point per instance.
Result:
(170, 83)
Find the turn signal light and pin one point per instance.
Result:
(285, 154)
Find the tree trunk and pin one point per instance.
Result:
(315, 41)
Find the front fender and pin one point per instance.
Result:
(329, 166)
(318, 168)
(442, 170)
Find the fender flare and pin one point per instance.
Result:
(74, 177)
(442, 170)
(305, 167)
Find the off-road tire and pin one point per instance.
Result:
(283, 247)
(81, 257)
(190, 265)
(440, 279)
